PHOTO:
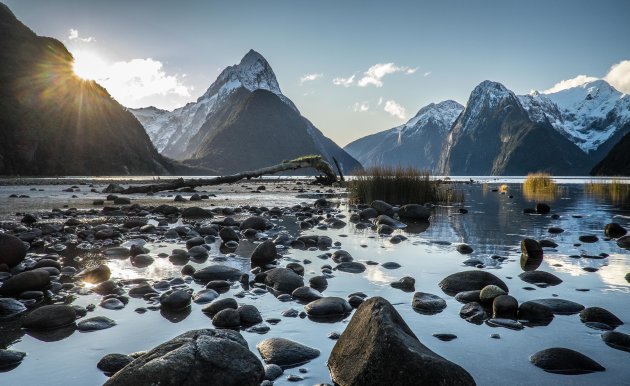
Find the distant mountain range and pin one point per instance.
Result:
(53, 123)
(242, 122)
(499, 133)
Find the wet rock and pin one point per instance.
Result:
(428, 303)
(384, 229)
(219, 305)
(10, 308)
(355, 301)
(617, 340)
(542, 208)
(216, 272)
(561, 360)
(227, 318)
(198, 357)
(547, 243)
(473, 312)
(142, 260)
(249, 315)
(330, 306)
(283, 280)
(599, 315)
(555, 230)
(378, 340)
(468, 296)
(624, 242)
(112, 363)
(464, 249)
(445, 337)
(285, 353)
(255, 222)
(12, 250)
(141, 289)
(350, 267)
(560, 306)
(10, 359)
(489, 292)
(341, 256)
(589, 238)
(506, 323)
(535, 312)
(112, 304)
(504, 306)
(228, 234)
(107, 287)
(320, 283)
(614, 230)
(272, 372)
(306, 294)
(264, 253)
(48, 317)
(205, 296)
(414, 212)
(196, 212)
(531, 249)
(95, 323)
(220, 286)
(406, 283)
(382, 207)
(534, 277)
(470, 281)
(37, 279)
(175, 300)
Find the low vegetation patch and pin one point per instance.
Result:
(539, 187)
(617, 191)
(401, 185)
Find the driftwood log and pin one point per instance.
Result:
(314, 162)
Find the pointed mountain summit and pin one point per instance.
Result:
(417, 143)
(243, 121)
(53, 123)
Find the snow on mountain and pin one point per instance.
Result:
(588, 115)
(171, 131)
(485, 97)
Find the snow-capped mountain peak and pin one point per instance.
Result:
(443, 114)
(485, 97)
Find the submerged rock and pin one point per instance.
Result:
(428, 303)
(51, 316)
(599, 315)
(617, 340)
(560, 306)
(561, 360)
(95, 323)
(534, 277)
(285, 353)
(384, 350)
(216, 272)
(470, 281)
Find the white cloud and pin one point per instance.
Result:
(345, 82)
(411, 70)
(375, 74)
(427, 74)
(361, 107)
(568, 83)
(395, 109)
(380, 101)
(619, 76)
(310, 78)
(74, 35)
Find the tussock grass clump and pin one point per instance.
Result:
(400, 185)
(539, 186)
(616, 190)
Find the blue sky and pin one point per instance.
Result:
(439, 49)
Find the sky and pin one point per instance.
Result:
(352, 67)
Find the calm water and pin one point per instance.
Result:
(494, 225)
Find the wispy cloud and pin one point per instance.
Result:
(375, 74)
(411, 70)
(395, 109)
(74, 35)
(361, 107)
(568, 83)
(380, 101)
(345, 82)
(427, 74)
(619, 76)
(310, 78)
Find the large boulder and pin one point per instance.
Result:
(36, 280)
(470, 281)
(197, 357)
(384, 350)
(12, 250)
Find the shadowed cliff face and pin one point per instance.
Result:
(617, 162)
(54, 123)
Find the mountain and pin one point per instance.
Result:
(617, 161)
(417, 143)
(593, 115)
(494, 135)
(242, 121)
(53, 123)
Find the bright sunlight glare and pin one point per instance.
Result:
(89, 66)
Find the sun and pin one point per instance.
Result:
(89, 66)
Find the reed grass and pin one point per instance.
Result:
(540, 187)
(616, 191)
(400, 185)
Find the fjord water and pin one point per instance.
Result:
(494, 225)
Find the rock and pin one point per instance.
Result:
(249, 315)
(414, 212)
(37, 279)
(426, 303)
(614, 230)
(542, 208)
(535, 312)
(141, 289)
(561, 360)
(624, 242)
(320, 283)
(285, 353)
(489, 292)
(254, 222)
(506, 323)
(473, 312)
(112, 304)
(588, 238)
(175, 300)
(220, 286)
(216, 272)
(406, 283)
(228, 234)
(350, 267)
(10, 359)
(555, 230)
(205, 296)
(504, 306)
(272, 372)
(560, 306)
(10, 308)
(196, 212)
(468, 296)
(227, 318)
(531, 249)
(384, 229)
(48, 317)
(470, 281)
(141, 260)
(12, 250)
(390, 265)
(445, 337)
(382, 207)
(534, 277)
(599, 315)
(198, 357)
(112, 363)
(341, 256)
(306, 294)
(545, 243)
(218, 305)
(378, 340)
(617, 340)
(464, 249)
(264, 253)
(329, 306)
(283, 280)
(95, 323)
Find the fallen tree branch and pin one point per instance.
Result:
(314, 162)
